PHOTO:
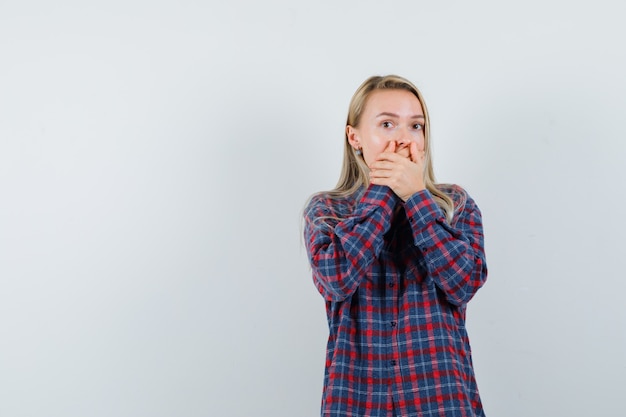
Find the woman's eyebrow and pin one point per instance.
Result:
(387, 114)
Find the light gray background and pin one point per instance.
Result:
(155, 157)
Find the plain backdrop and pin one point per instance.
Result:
(155, 157)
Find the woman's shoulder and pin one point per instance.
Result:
(318, 201)
(460, 197)
(456, 192)
(328, 203)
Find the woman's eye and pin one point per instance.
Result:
(418, 126)
(386, 124)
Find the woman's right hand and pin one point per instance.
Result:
(405, 176)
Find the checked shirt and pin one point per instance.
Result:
(396, 278)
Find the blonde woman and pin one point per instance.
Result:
(397, 258)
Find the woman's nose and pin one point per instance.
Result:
(403, 140)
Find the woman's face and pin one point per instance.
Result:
(389, 115)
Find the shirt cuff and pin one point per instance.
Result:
(422, 210)
(381, 196)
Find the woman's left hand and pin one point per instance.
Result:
(405, 176)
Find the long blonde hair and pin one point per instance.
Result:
(354, 171)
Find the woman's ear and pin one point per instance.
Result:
(353, 137)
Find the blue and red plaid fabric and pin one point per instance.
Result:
(396, 279)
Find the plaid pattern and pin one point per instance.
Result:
(396, 279)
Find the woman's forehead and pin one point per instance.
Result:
(402, 102)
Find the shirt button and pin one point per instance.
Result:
(391, 284)
(393, 363)
(393, 324)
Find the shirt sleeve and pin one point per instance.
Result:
(454, 254)
(341, 251)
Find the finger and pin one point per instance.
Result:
(380, 181)
(404, 149)
(389, 156)
(391, 146)
(381, 173)
(382, 164)
(413, 152)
